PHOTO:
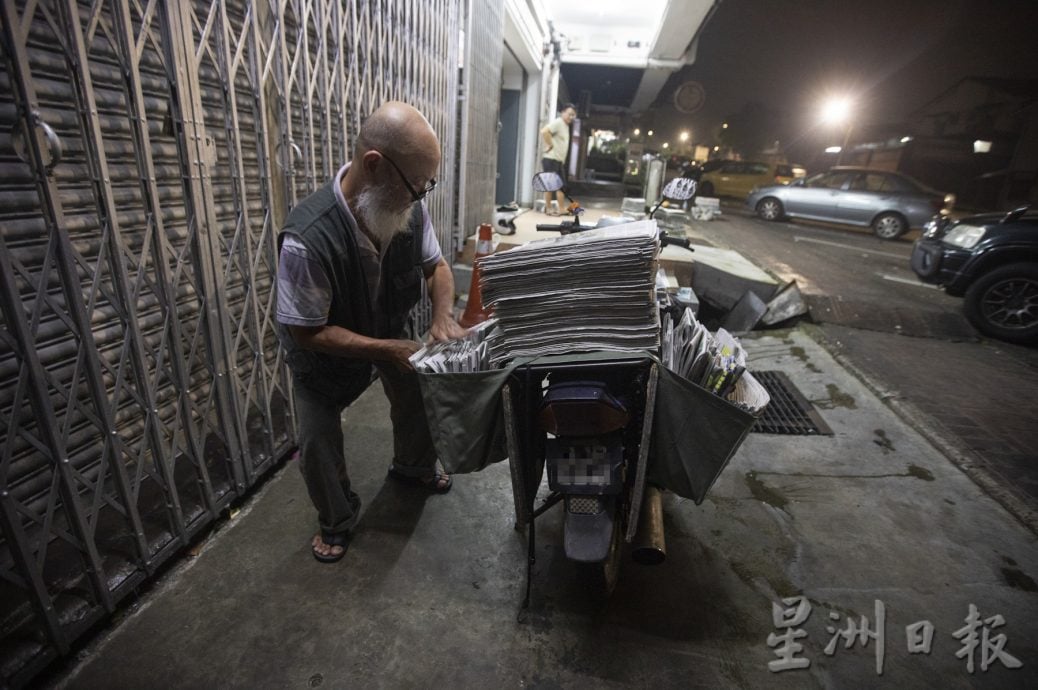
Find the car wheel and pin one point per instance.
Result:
(770, 208)
(889, 226)
(707, 189)
(1003, 303)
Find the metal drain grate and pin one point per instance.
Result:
(789, 412)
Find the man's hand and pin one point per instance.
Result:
(338, 341)
(397, 352)
(546, 139)
(441, 294)
(444, 327)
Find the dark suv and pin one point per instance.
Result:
(991, 260)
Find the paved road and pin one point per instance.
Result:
(975, 396)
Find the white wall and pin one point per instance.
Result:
(529, 160)
(526, 30)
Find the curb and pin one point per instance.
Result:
(968, 461)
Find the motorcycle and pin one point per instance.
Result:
(588, 419)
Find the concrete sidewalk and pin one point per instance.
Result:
(429, 592)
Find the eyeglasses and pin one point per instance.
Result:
(416, 195)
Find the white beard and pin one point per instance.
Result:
(372, 210)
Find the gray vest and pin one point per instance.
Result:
(328, 233)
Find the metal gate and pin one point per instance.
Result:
(149, 151)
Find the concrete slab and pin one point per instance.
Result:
(787, 303)
(746, 314)
(428, 594)
(722, 276)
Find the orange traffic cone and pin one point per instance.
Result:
(474, 311)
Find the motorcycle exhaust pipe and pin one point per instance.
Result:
(649, 546)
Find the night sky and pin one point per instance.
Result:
(893, 55)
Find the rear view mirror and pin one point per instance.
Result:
(680, 189)
(547, 182)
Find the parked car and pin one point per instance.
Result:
(992, 261)
(737, 178)
(889, 202)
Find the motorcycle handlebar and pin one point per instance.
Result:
(679, 241)
(565, 227)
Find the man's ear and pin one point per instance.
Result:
(370, 161)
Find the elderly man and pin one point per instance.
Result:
(352, 257)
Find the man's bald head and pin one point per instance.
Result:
(396, 153)
(398, 130)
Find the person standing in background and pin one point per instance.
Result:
(555, 140)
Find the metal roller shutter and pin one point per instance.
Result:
(141, 386)
(110, 435)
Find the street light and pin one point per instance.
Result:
(837, 111)
(684, 136)
(650, 132)
(637, 131)
(666, 145)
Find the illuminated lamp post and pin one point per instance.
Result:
(837, 111)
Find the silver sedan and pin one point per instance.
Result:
(889, 202)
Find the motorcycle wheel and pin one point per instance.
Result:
(600, 578)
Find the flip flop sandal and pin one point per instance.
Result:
(338, 539)
(431, 483)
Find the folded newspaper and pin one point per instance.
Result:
(592, 290)
(716, 362)
(461, 356)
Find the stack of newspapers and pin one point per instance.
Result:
(592, 290)
(715, 361)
